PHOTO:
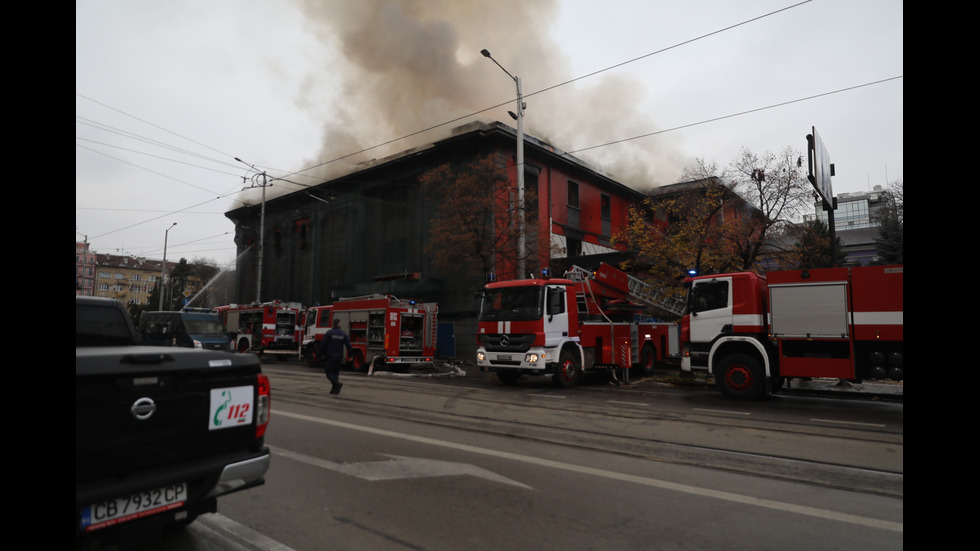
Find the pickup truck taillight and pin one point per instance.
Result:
(263, 406)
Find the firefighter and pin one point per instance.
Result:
(332, 351)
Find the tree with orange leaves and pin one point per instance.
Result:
(674, 233)
(713, 224)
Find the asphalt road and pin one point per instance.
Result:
(436, 460)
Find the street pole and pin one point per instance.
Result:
(258, 279)
(519, 116)
(521, 246)
(163, 270)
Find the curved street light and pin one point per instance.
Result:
(163, 270)
(519, 117)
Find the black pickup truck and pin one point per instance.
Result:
(160, 432)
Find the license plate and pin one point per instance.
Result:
(503, 357)
(131, 507)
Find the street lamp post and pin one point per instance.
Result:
(163, 270)
(519, 117)
(258, 279)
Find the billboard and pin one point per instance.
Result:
(821, 169)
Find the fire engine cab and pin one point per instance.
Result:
(383, 329)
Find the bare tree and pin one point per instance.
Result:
(776, 185)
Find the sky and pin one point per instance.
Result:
(181, 105)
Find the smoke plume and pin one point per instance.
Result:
(410, 65)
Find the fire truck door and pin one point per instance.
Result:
(711, 308)
(555, 314)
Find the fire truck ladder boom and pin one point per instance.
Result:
(375, 296)
(640, 291)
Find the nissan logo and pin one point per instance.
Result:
(143, 408)
(504, 340)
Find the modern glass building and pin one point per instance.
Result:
(854, 221)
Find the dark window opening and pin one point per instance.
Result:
(573, 195)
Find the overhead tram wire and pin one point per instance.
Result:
(156, 126)
(150, 170)
(220, 196)
(134, 136)
(153, 219)
(739, 114)
(186, 243)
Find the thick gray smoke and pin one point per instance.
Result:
(409, 65)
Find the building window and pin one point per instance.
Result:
(301, 228)
(531, 198)
(605, 215)
(573, 247)
(850, 215)
(572, 195)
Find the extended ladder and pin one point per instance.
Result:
(640, 291)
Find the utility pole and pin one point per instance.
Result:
(258, 279)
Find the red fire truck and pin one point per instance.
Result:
(563, 326)
(268, 328)
(753, 332)
(382, 329)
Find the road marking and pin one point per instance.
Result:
(848, 423)
(673, 486)
(627, 403)
(723, 411)
(398, 467)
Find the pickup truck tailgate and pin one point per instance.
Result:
(158, 407)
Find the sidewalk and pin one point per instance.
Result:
(673, 377)
(893, 389)
(890, 390)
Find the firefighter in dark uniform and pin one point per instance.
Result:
(332, 351)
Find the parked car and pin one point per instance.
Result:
(189, 328)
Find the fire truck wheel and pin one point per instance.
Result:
(741, 377)
(312, 359)
(648, 360)
(508, 376)
(568, 371)
(357, 361)
(243, 346)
